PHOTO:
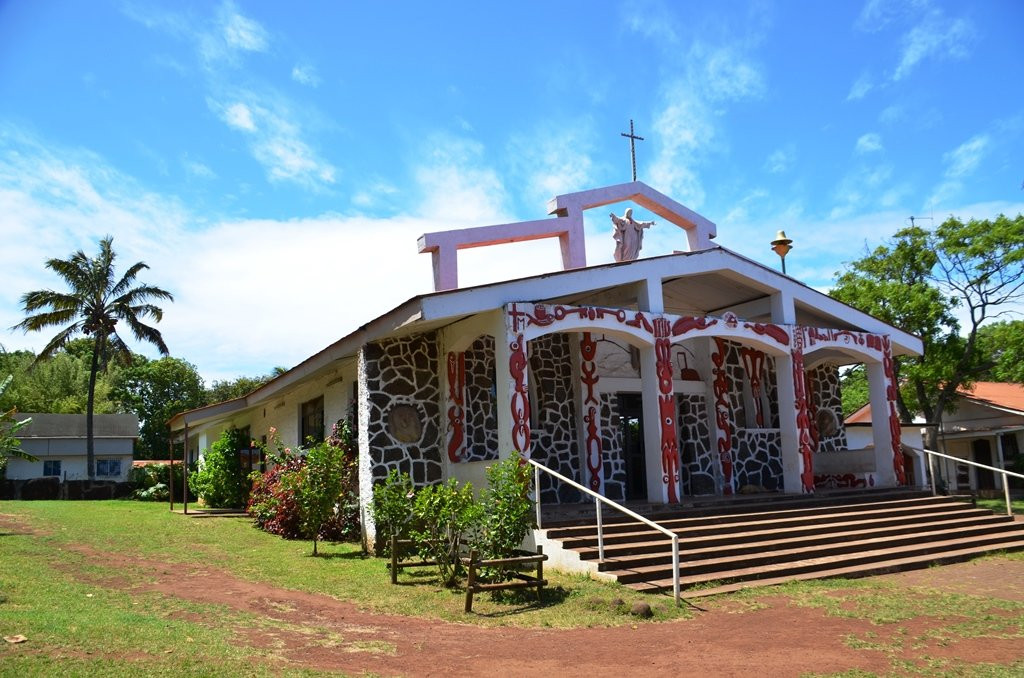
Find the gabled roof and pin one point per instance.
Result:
(705, 282)
(996, 394)
(45, 425)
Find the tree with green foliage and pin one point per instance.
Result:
(10, 447)
(318, 487)
(219, 480)
(156, 390)
(1002, 344)
(918, 281)
(58, 385)
(96, 301)
(241, 386)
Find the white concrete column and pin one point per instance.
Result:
(656, 490)
(363, 440)
(885, 474)
(649, 296)
(505, 385)
(789, 433)
(783, 308)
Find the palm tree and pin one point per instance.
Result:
(93, 306)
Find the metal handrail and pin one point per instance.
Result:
(959, 460)
(598, 500)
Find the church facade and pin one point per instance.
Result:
(656, 379)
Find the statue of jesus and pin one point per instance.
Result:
(628, 235)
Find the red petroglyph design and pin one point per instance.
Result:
(803, 418)
(894, 419)
(667, 409)
(589, 379)
(723, 415)
(774, 331)
(520, 397)
(753, 364)
(456, 405)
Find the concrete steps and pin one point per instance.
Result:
(728, 548)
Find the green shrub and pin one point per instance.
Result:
(219, 480)
(392, 509)
(446, 516)
(507, 510)
(327, 485)
(146, 478)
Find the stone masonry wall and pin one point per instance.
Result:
(481, 413)
(403, 373)
(553, 439)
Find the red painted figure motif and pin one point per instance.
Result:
(520, 397)
(589, 379)
(753, 364)
(894, 419)
(803, 419)
(723, 415)
(666, 409)
(456, 405)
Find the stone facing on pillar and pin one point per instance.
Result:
(825, 396)
(553, 439)
(404, 372)
(481, 419)
(698, 471)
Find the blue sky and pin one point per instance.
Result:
(275, 162)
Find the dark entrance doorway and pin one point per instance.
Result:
(631, 423)
(983, 455)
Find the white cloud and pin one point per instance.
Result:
(240, 31)
(861, 190)
(961, 162)
(276, 141)
(879, 14)
(780, 160)
(239, 116)
(730, 76)
(868, 143)
(964, 159)
(936, 36)
(554, 159)
(456, 186)
(197, 169)
(860, 87)
(239, 314)
(306, 75)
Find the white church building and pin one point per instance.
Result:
(653, 380)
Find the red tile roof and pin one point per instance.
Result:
(1009, 396)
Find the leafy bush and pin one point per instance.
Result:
(444, 520)
(146, 478)
(219, 480)
(298, 502)
(446, 517)
(392, 509)
(507, 510)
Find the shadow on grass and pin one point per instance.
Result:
(525, 600)
(351, 555)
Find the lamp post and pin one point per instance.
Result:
(781, 246)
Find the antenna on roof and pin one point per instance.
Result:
(912, 219)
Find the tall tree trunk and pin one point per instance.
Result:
(90, 446)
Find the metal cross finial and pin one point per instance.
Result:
(632, 145)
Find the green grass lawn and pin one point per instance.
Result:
(83, 618)
(999, 505)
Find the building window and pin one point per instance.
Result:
(51, 467)
(108, 467)
(312, 423)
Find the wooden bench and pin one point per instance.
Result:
(473, 565)
(395, 565)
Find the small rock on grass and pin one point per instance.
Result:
(15, 639)
(642, 610)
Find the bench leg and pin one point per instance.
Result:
(540, 573)
(470, 581)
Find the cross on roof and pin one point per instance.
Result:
(632, 145)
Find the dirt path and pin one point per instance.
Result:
(728, 639)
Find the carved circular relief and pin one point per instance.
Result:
(404, 424)
(828, 423)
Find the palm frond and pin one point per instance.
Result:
(128, 278)
(144, 332)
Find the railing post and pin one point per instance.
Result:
(931, 473)
(536, 493)
(675, 567)
(1006, 493)
(600, 531)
